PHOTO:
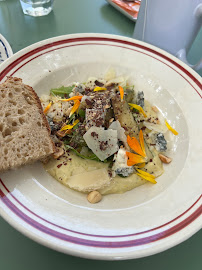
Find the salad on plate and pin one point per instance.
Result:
(109, 138)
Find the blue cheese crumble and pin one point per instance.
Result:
(120, 166)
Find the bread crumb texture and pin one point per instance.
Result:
(24, 130)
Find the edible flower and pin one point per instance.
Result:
(47, 107)
(134, 159)
(138, 148)
(99, 89)
(170, 128)
(121, 92)
(75, 107)
(138, 107)
(141, 165)
(146, 176)
(70, 126)
(72, 98)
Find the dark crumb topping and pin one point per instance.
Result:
(59, 165)
(88, 102)
(110, 173)
(94, 134)
(103, 145)
(100, 84)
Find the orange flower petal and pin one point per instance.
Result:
(135, 146)
(142, 143)
(72, 98)
(134, 159)
(121, 92)
(47, 107)
(75, 107)
(150, 179)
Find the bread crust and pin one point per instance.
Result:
(37, 103)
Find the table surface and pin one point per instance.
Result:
(79, 16)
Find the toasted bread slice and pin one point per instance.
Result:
(24, 129)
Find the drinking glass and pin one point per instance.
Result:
(36, 7)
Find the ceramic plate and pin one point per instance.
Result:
(141, 222)
(5, 49)
(129, 8)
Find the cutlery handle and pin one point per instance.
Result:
(182, 54)
(169, 28)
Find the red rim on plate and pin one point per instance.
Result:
(10, 201)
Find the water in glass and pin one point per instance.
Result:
(36, 7)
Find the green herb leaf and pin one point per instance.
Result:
(128, 87)
(81, 113)
(71, 118)
(61, 91)
(76, 126)
(135, 110)
(91, 157)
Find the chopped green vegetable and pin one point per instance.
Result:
(76, 126)
(81, 113)
(71, 118)
(129, 87)
(129, 94)
(135, 110)
(75, 139)
(124, 115)
(91, 156)
(62, 91)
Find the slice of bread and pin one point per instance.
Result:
(24, 129)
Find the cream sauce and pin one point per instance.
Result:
(70, 165)
(78, 166)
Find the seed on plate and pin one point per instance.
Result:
(58, 153)
(94, 197)
(165, 159)
(155, 109)
(63, 133)
(107, 106)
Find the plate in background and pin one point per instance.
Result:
(129, 8)
(143, 221)
(5, 49)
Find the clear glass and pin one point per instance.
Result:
(36, 7)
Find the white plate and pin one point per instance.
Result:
(129, 9)
(5, 49)
(144, 221)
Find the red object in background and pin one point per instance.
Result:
(131, 7)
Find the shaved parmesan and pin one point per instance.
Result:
(103, 143)
(156, 127)
(119, 80)
(110, 74)
(91, 82)
(83, 100)
(88, 181)
(120, 132)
